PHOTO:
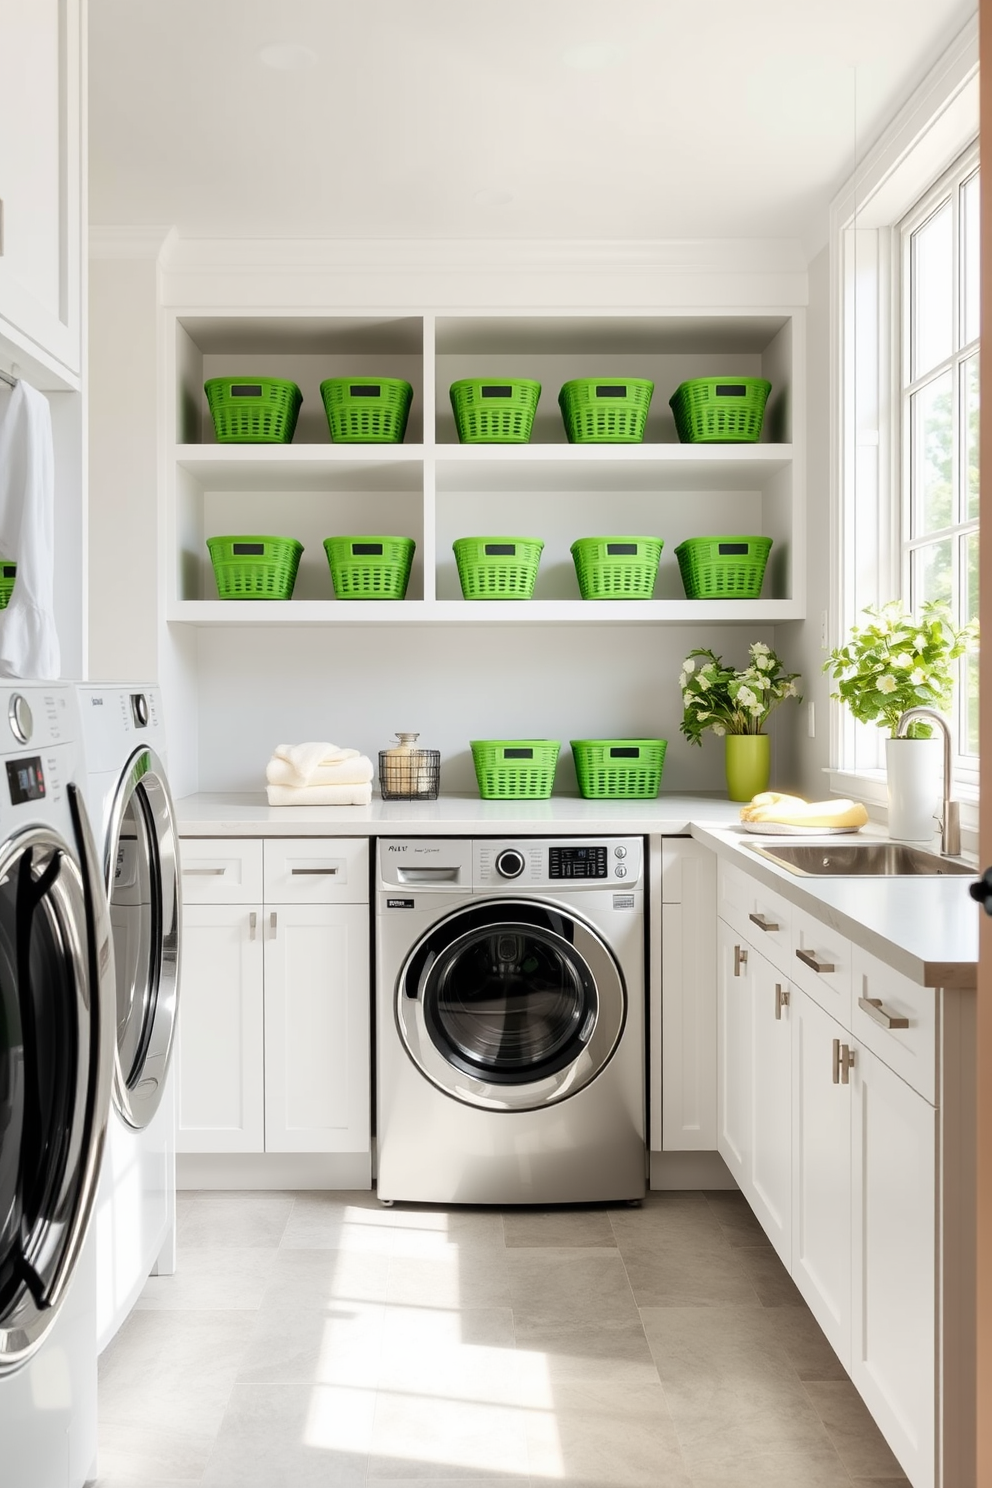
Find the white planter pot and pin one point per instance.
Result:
(913, 780)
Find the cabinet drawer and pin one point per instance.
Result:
(880, 996)
(760, 915)
(316, 870)
(821, 965)
(221, 870)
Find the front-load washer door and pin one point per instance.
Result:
(55, 1074)
(511, 1005)
(143, 889)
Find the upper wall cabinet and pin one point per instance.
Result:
(40, 177)
(435, 490)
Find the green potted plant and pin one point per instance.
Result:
(893, 662)
(736, 705)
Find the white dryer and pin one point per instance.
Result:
(57, 1007)
(131, 808)
(510, 1032)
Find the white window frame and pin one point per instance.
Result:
(936, 127)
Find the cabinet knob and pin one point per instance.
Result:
(740, 959)
(809, 958)
(879, 1014)
(252, 925)
(781, 999)
(274, 922)
(843, 1063)
(762, 923)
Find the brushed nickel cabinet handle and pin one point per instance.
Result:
(252, 925)
(762, 923)
(781, 999)
(310, 872)
(808, 958)
(879, 1014)
(740, 959)
(274, 922)
(843, 1063)
(203, 872)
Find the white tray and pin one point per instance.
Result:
(779, 829)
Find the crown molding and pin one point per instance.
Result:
(129, 242)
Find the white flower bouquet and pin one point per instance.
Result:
(716, 697)
(895, 662)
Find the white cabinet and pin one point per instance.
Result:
(733, 1102)
(274, 1039)
(683, 1004)
(821, 1172)
(40, 173)
(433, 489)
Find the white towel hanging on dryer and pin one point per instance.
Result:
(29, 645)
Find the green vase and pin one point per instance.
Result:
(748, 763)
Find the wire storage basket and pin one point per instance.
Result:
(366, 410)
(494, 411)
(515, 769)
(616, 567)
(720, 410)
(619, 769)
(723, 567)
(605, 410)
(497, 567)
(372, 567)
(252, 567)
(414, 776)
(8, 573)
(253, 410)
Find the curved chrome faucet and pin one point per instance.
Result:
(950, 825)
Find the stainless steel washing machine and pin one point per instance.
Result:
(510, 1032)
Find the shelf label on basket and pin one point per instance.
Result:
(501, 550)
(621, 550)
(518, 754)
(606, 391)
(248, 550)
(731, 390)
(365, 390)
(246, 389)
(10, 570)
(366, 550)
(500, 390)
(733, 550)
(625, 753)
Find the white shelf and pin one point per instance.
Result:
(618, 467)
(303, 467)
(216, 612)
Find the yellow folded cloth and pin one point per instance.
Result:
(793, 811)
(346, 772)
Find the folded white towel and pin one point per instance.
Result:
(305, 758)
(348, 772)
(319, 795)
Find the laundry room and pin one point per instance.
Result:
(491, 877)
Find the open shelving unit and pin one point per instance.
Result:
(433, 489)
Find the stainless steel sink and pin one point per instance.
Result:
(860, 860)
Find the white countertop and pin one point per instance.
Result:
(927, 928)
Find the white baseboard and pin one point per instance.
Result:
(332, 1170)
(689, 1170)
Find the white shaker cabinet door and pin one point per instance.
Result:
(893, 1356)
(687, 1010)
(821, 1170)
(317, 1045)
(733, 1043)
(40, 153)
(770, 1190)
(220, 1054)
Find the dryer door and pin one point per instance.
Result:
(511, 1004)
(55, 1073)
(143, 888)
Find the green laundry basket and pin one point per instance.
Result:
(497, 410)
(370, 567)
(605, 410)
(616, 567)
(251, 567)
(720, 410)
(497, 567)
(723, 567)
(619, 769)
(366, 410)
(8, 573)
(253, 410)
(515, 769)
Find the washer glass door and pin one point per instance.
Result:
(511, 1004)
(143, 890)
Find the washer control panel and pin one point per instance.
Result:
(539, 862)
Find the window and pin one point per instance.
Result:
(939, 417)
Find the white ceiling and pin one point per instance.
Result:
(417, 118)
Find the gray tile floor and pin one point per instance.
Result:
(320, 1339)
